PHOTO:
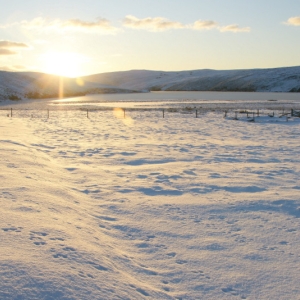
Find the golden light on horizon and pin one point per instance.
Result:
(66, 64)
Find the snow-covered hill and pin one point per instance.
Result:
(258, 80)
(18, 85)
(14, 85)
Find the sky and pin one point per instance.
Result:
(77, 38)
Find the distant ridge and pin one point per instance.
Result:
(35, 85)
(285, 79)
(19, 85)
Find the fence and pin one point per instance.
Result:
(150, 112)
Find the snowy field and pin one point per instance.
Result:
(149, 208)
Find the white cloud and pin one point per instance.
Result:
(99, 26)
(7, 52)
(294, 21)
(103, 26)
(162, 24)
(76, 23)
(151, 24)
(200, 25)
(234, 28)
(7, 46)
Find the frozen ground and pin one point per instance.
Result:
(149, 208)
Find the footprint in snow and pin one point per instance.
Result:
(37, 237)
(60, 255)
(171, 254)
(283, 243)
(13, 229)
(233, 292)
(40, 243)
(57, 239)
(69, 249)
(107, 218)
(39, 233)
(181, 261)
(143, 292)
(142, 245)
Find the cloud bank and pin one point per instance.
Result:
(101, 25)
(163, 24)
(7, 46)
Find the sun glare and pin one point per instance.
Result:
(63, 63)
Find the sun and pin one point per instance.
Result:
(63, 63)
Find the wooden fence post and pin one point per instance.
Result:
(163, 113)
(11, 112)
(196, 113)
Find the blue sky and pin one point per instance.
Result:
(76, 38)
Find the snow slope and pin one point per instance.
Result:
(148, 208)
(40, 85)
(259, 80)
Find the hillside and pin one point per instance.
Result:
(256, 80)
(18, 85)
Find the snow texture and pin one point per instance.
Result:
(149, 208)
(258, 80)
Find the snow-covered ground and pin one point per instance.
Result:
(149, 208)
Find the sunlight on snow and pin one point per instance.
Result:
(121, 114)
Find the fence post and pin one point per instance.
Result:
(163, 113)
(48, 113)
(11, 112)
(225, 114)
(196, 113)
